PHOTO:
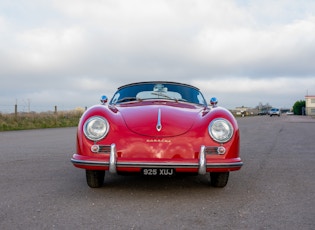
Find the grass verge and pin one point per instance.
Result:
(24, 121)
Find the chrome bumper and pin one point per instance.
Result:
(113, 159)
(201, 165)
(202, 161)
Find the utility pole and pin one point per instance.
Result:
(15, 108)
(29, 105)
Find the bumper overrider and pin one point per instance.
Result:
(201, 165)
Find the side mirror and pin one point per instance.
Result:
(213, 101)
(103, 100)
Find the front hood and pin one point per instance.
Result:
(159, 120)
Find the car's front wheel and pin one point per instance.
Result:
(95, 178)
(219, 179)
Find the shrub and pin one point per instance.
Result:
(297, 107)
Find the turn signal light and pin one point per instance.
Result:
(95, 148)
(221, 150)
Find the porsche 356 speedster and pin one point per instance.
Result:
(157, 128)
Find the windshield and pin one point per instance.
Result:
(168, 91)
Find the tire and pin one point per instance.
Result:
(95, 178)
(219, 179)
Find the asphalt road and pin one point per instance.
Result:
(275, 189)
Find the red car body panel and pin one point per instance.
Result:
(177, 118)
(138, 141)
(159, 134)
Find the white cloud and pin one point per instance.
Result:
(274, 86)
(46, 49)
(281, 48)
(92, 47)
(280, 92)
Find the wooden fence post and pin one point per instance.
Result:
(15, 110)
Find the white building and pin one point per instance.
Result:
(310, 105)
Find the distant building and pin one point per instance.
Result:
(310, 105)
(244, 111)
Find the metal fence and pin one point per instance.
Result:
(22, 108)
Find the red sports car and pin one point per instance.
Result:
(157, 128)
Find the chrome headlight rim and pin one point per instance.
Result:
(228, 127)
(95, 135)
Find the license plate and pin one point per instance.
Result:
(158, 172)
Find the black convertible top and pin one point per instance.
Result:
(158, 82)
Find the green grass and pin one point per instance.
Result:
(24, 121)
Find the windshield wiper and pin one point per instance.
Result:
(164, 95)
(168, 97)
(126, 99)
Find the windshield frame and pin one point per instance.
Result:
(160, 91)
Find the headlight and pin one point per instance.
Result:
(96, 128)
(220, 130)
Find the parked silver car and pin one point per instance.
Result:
(274, 111)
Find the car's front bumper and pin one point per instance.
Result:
(114, 164)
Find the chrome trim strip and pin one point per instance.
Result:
(225, 165)
(91, 163)
(156, 165)
(159, 125)
(202, 161)
(112, 159)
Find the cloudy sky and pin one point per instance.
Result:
(70, 52)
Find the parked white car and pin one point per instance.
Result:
(274, 111)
